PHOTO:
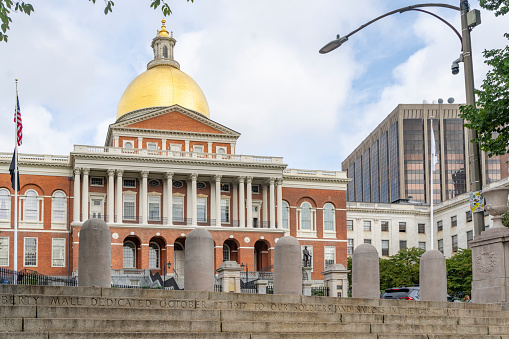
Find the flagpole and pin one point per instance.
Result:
(432, 165)
(16, 189)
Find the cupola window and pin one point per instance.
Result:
(165, 52)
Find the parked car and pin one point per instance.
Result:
(406, 293)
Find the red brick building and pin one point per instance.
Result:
(167, 168)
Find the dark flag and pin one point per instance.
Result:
(13, 168)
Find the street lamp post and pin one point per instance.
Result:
(466, 57)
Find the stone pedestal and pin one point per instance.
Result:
(229, 276)
(306, 288)
(365, 272)
(287, 266)
(433, 276)
(199, 261)
(336, 279)
(262, 286)
(94, 258)
(306, 273)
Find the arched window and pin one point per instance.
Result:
(165, 51)
(31, 206)
(153, 255)
(328, 217)
(286, 215)
(226, 252)
(128, 144)
(58, 206)
(305, 216)
(129, 254)
(5, 204)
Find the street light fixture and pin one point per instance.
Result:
(333, 45)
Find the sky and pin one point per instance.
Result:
(257, 62)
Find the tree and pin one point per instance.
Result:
(401, 269)
(8, 6)
(459, 271)
(490, 117)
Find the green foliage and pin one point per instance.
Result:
(459, 271)
(505, 219)
(401, 269)
(500, 7)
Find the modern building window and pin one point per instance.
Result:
(441, 245)
(385, 248)
(286, 215)
(394, 161)
(367, 241)
(58, 252)
(384, 226)
(5, 204)
(440, 226)
(58, 205)
(384, 168)
(130, 183)
(96, 181)
(351, 185)
(201, 209)
(454, 239)
(366, 225)
(402, 244)
(225, 187)
(226, 252)
(30, 252)
(349, 225)
(178, 209)
(421, 228)
(225, 211)
(154, 207)
(422, 245)
(454, 221)
(4, 251)
(470, 237)
(374, 172)
(468, 216)
(329, 255)
(366, 177)
(402, 226)
(31, 206)
(358, 179)
(129, 206)
(349, 246)
(328, 217)
(305, 216)
(129, 254)
(153, 255)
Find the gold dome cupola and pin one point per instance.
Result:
(163, 45)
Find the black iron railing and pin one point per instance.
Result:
(29, 277)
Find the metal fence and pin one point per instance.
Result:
(29, 277)
(320, 291)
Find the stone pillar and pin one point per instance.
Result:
(287, 266)
(84, 198)
(199, 261)
(235, 204)
(194, 211)
(306, 287)
(169, 198)
(265, 215)
(144, 198)
(212, 202)
(94, 260)
(336, 279)
(76, 207)
(365, 272)
(218, 200)
(433, 276)
(490, 253)
(119, 212)
(242, 206)
(272, 203)
(280, 203)
(110, 196)
(229, 276)
(261, 286)
(249, 202)
(140, 142)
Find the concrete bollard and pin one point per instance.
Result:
(365, 272)
(94, 256)
(287, 266)
(199, 261)
(433, 276)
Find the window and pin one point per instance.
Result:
(328, 217)
(201, 207)
(454, 221)
(349, 246)
(367, 241)
(255, 188)
(96, 208)
(198, 149)
(329, 255)
(225, 211)
(305, 215)
(349, 225)
(5, 204)
(286, 215)
(176, 149)
(441, 245)
(152, 145)
(177, 184)
(30, 255)
(178, 209)
(31, 206)
(367, 225)
(165, 51)
(402, 226)
(201, 185)
(130, 183)
(154, 183)
(58, 252)
(402, 244)
(153, 255)
(128, 144)
(422, 245)
(421, 228)
(385, 247)
(226, 253)
(58, 207)
(225, 187)
(4, 251)
(129, 254)
(129, 207)
(470, 237)
(440, 226)
(384, 225)
(454, 239)
(95, 181)
(154, 207)
(469, 216)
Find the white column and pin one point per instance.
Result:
(194, 212)
(235, 204)
(84, 196)
(212, 202)
(249, 201)
(110, 196)
(218, 199)
(115, 141)
(280, 203)
(168, 200)
(140, 142)
(76, 209)
(272, 203)
(186, 145)
(242, 203)
(119, 212)
(144, 198)
(209, 147)
(264, 206)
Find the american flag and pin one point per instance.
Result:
(19, 123)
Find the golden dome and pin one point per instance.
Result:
(163, 86)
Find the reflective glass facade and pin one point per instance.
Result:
(394, 161)
(351, 184)
(358, 179)
(437, 187)
(384, 168)
(374, 173)
(492, 168)
(413, 145)
(454, 145)
(366, 177)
